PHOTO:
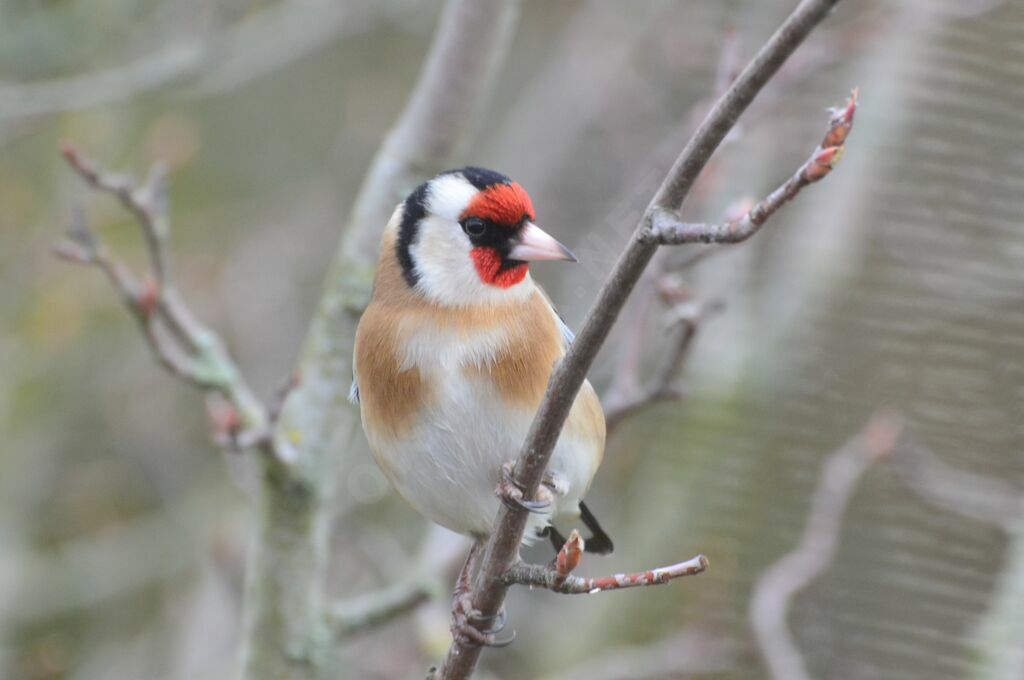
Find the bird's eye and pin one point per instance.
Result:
(474, 226)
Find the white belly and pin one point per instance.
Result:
(448, 466)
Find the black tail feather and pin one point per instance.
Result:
(598, 543)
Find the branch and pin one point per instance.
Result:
(317, 431)
(684, 320)
(369, 611)
(776, 588)
(983, 499)
(489, 590)
(284, 615)
(542, 576)
(263, 42)
(624, 395)
(667, 229)
(181, 344)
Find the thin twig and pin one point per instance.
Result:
(779, 584)
(542, 576)
(503, 545)
(667, 229)
(180, 343)
(684, 321)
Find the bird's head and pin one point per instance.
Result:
(467, 236)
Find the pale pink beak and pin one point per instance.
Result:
(533, 243)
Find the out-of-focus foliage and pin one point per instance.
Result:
(898, 283)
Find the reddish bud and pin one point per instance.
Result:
(882, 434)
(225, 422)
(570, 555)
(822, 163)
(69, 151)
(148, 297)
(841, 122)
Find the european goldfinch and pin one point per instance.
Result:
(454, 352)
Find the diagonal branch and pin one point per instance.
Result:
(685, 319)
(489, 590)
(779, 584)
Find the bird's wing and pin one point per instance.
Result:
(567, 335)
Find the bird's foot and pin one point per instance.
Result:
(513, 495)
(467, 624)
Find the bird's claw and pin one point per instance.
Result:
(467, 621)
(513, 495)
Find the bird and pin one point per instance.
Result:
(452, 357)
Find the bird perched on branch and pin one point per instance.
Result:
(453, 354)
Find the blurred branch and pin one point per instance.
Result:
(999, 638)
(266, 41)
(369, 611)
(778, 585)
(182, 345)
(683, 321)
(977, 497)
(286, 32)
(78, 574)
(999, 635)
(144, 74)
(488, 590)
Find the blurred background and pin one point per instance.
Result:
(897, 283)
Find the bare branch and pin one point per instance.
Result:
(779, 584)
(369, 611)
(503, 546)
(667, 229)
(540, 576)
(148, 203)
(684, 320)
(182, 345)
(162, 67)
(264, 41)
(983, 499)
